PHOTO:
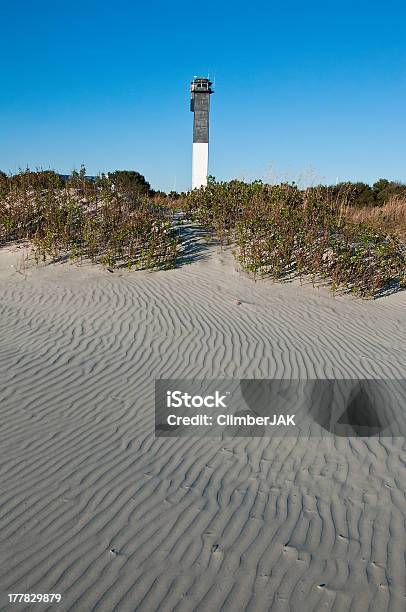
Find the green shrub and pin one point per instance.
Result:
(283, 231)
(87, 219)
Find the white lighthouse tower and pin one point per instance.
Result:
(200, 90)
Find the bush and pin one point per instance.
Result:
(84, 219)
(283, 231)
(129, 181)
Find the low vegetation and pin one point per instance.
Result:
(351, 236)
(389, 217)
(283, 231)
(108, 220)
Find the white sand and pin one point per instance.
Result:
(93, 507)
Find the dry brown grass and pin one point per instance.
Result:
(391, 217)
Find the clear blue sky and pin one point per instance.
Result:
(311, 90)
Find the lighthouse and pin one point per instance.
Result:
(200, 90)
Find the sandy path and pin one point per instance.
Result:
(93, 507)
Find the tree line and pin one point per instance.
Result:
(356, 194)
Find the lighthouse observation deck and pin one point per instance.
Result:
(201, 85)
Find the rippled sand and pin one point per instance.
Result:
(92, 506)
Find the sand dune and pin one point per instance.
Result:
(92, 506)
